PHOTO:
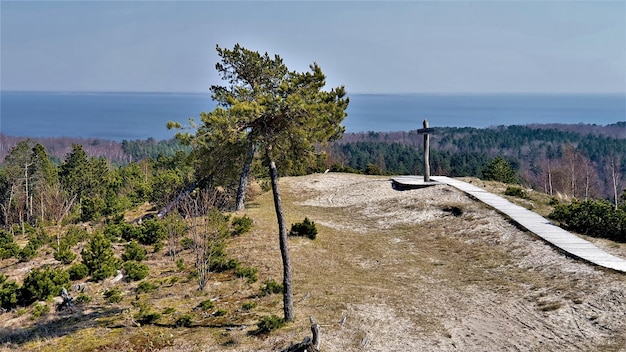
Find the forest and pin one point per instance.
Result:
(570, 161)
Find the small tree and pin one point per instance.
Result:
(42, 283)
(175, 229)
(134, 251)
(98, 256)
(208, 229)
(500, 170)
(283, 114)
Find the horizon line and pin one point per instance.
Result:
(348, 94)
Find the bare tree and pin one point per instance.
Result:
(175, 228)
(208, 229)
(613, 166)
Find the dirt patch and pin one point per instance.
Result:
(426, 278)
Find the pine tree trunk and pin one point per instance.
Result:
(243, 179)
(282, 235)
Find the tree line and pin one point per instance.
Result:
(557, 161)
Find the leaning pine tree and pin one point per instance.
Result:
(269, 112)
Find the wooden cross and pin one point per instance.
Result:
(425, 131)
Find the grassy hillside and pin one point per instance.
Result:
(428, 269)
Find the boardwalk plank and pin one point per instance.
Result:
(529, 220)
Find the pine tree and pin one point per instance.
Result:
(99, 258)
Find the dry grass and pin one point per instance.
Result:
(427, 269)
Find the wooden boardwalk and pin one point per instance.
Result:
(540, 226)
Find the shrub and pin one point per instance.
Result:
(98, 256)
(136, 271)
(206, 304)
(220, 312)
(499, 170)
(221, 263)
(40, 309)
(184, 321)
(134, 251)
(146, 286)
(596, 218)
(305, 228)
(113, 295)
(241, 225)
(8, 247)
(270, 286)
(78, 271)
(9, 250)
(270, 323)
(28, 252)
(186, 243)
(180, 264)
(248, 306)
(152, 231)
(43, 283)
(82, 298)
(9, 293)
(146, 315)
(249, 273)
(371, 169)
(64, 255)
(74, 235)
(124, 230)
(168, 310)
(518, 192)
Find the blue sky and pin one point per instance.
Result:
(370, 47)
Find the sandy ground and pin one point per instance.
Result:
(444, 281)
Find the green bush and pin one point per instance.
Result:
(206, 304)
(499, 170)
(221, 263)
(184, 321)
(241, 225)
(126, 231)
(270, 323)
(9, 250)
(9, 293)
(248, 306)
(186, 243)
(146, 315)
(134, 251)
(43, 283)
(515, 191)
(152, 232)
(146, 286)
(269, 287)
(596, 218)
(220, 312)
(8, 247)
(136, 271)
(40, 309)
(78, 271)
(306, 228)
(371, 169)
(113, 295)
(82, 298)
(28, 252)
(249, 273)
(99, 257)
(64, 255)
(168, 310)
(180, 264)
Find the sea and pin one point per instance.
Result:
(131, 116)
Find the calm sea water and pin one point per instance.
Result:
(119, 116)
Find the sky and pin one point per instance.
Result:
(378, 47)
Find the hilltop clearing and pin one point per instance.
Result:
(420, 270)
